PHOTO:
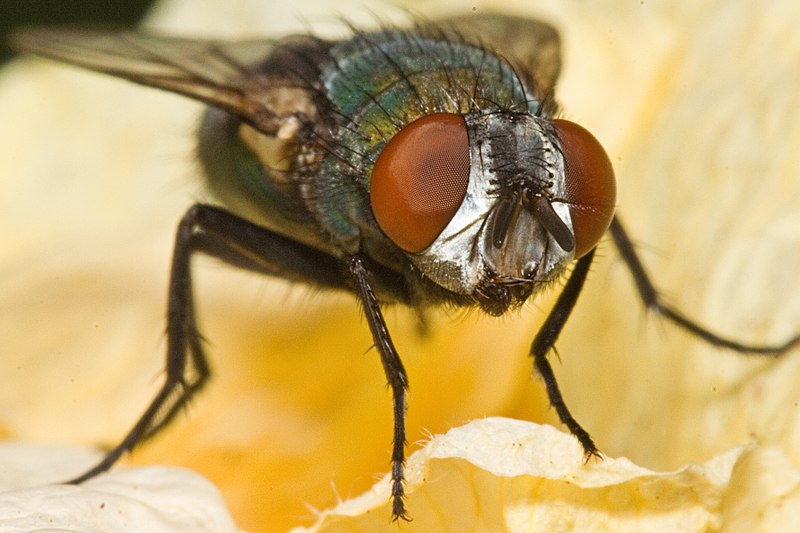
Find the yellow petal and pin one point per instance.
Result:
(501, 474)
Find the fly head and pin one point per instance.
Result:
(493, 205)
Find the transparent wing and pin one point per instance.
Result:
(264, 81)
(219, 73)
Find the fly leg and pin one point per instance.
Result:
(395, 375)
(546, 338)
(653, 301)
(218, 233)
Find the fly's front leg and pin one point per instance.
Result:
(183, 339)
(395, 375)
(546, 338)
(653, 301)
(213, 231)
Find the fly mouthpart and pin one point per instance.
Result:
(510, 280)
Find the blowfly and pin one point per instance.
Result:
(425, 166)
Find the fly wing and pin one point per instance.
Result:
(223, 74)
(531, 46)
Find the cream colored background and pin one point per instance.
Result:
(697, 104)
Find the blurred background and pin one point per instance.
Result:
(96, 172)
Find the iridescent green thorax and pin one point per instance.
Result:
(382, 81)
(377, 83)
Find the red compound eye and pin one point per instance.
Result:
(591, 187)
(420, 180)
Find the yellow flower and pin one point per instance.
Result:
(697, 105)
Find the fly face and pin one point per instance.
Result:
(488, 205)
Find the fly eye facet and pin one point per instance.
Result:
(420, 180)
(591, 187)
